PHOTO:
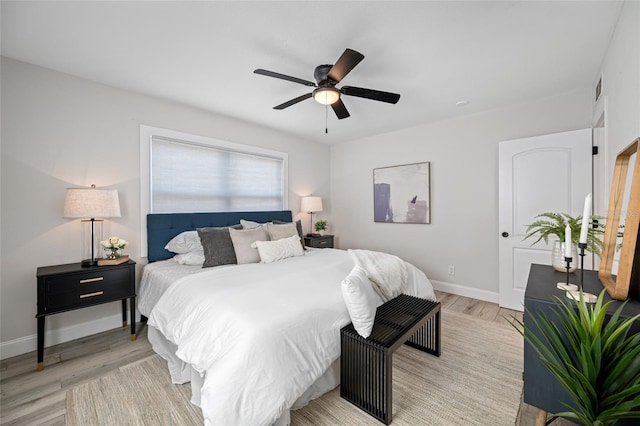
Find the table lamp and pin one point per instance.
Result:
(311, 204)
(89, 204)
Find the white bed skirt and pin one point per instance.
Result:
(182, 372)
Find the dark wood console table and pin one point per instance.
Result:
(541, 389)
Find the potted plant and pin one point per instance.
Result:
(321, 226)
(593, 358)
(554, 224)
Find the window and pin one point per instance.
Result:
(187, 177)
(190, 173)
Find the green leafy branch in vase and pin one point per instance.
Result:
(548, 224)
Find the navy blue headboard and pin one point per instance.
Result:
(162, 227)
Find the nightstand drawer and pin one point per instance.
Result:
(92, 293)
(319, 242)
(83, 283)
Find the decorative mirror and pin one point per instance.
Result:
(624, 208)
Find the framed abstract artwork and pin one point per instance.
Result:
(402, 194)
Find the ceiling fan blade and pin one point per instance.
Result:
(293, 101)
(340, 109)
(346, 62)
(284, 77)
(376, 95)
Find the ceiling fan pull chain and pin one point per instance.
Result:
(326, 119)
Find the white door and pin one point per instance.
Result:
(601, 177)
(550, 173)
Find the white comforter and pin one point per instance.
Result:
(261, 333)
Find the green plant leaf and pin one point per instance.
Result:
(614, 400)
(548, 224)
(624, 410)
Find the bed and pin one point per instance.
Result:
(255, 340)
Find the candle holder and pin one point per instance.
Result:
(582, 247)
(568, 260)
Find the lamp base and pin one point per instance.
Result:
(89, 262)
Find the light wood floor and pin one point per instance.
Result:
(29, 397)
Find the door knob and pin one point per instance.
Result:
(505, 234)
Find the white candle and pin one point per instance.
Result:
(567, 241)
(586, 215)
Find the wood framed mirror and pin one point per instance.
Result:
(627, 282)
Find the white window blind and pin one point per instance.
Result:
(192, 177)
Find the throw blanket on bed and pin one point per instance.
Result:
(261, 334)
(387, 272)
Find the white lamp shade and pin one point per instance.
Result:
(311, 204)
(91, 203)
(326, 95)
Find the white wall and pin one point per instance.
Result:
(621, 85)
(59, 131)
(620, 100)
(464, 189)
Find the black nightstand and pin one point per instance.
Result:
(325, 241)
(68, 287)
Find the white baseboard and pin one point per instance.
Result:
(461, 290)
(27, 344)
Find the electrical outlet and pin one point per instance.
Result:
(452, 270)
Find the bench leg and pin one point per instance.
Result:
(427, 338)
(365, 377)
(388, 389)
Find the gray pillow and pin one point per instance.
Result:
(242, 240)
(299, 228)
(279, 231)
(217, 246)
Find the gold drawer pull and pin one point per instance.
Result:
(91, 280)
(97, 293)
(323, 242)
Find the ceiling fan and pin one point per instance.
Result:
(326, 92)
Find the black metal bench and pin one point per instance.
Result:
(366, 364)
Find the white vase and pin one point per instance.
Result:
(557, 257)
(321, 232)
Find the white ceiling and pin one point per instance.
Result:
(432, 53)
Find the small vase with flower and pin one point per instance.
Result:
(113, 247)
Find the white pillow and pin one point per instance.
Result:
(192, 258)
(280, 231)
(243, 239)
(361, 300)
(184, 243)
(270, 251)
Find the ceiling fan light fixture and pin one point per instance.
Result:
(326, 95)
